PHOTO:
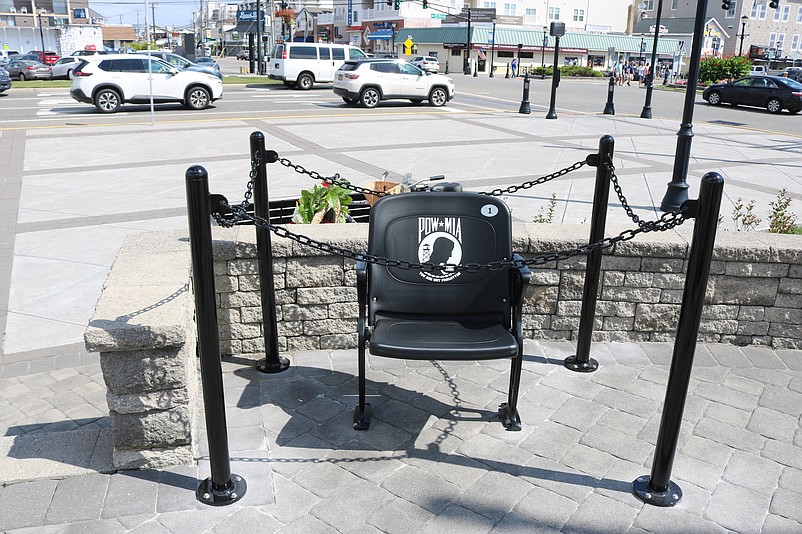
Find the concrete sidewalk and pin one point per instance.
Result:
(436, 458)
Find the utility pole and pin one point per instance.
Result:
(153, 20)
(467, 66)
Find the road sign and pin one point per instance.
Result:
(440, 16)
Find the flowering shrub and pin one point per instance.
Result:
(714, 69)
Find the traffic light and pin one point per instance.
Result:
(397, 4)
(725, 4)
(389, 3)
(425, 4)
(774, 3)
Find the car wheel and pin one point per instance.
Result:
(774, 105)
(107, 100)
(69, 74)
(416, 100)
(714, 98)
(370, 97)
(21, 77)
(197, 98)
(794, 111)
(438, 97)
(305, 82)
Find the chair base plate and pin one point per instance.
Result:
(509, 418)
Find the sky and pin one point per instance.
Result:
(176, 13)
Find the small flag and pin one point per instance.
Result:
(482, 55)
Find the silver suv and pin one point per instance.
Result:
(370, 81)
(109, 81)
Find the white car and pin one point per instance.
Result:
(370, 81)
(108, 81)
(427, 63)
(63, 67)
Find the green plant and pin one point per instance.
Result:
(322, 205)
(744, 217)
(713, 69)
(781, 219)
(547, 217)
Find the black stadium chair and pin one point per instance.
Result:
(441, 313)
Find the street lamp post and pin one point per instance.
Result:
(492, 48)
(543, 55)
(642, 47)
(646, 113)
(743, 34)
(41, 33)
(467, 66)
(677, 191)
(260, 63)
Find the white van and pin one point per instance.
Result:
(304, 64)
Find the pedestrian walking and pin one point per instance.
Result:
(514, 67)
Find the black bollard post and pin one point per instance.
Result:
(273, 362)
(507, 74)
(658, 489)
(222, 487)
(609, 107)
(555, 80)
(525, 107)
(582, 362)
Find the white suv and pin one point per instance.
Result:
(107, 81)
(373, 80)
(427, 63)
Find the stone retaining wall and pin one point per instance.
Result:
(144, 331)
(754, 294)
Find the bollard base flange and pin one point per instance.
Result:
(525, 108)
(573, 363)
(263, 366)
(234, 491)
(670, 497)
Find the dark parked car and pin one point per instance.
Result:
(28, 70)
(5, 80)
(774, 93)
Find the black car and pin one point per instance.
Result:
(774, 93)
(5, 80)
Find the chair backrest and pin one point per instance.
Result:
(440, 228)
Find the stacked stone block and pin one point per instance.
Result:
(143, 329)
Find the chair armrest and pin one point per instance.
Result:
(361, 282)
(521, 278)
(362, 299)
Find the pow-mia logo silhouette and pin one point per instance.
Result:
(440, 243)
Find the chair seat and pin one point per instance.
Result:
(427, 339)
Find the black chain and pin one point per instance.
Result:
(331, 180)
(345, 184)
(538, 181)
(233, 215)
(667, 221)
(618, 191)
